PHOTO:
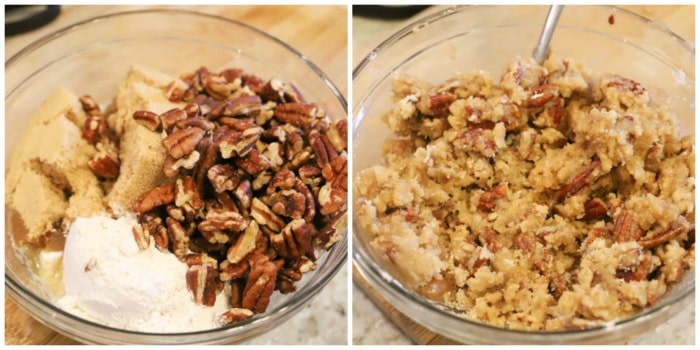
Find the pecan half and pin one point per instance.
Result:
(245, 244)
(201, 282)
(233, 315)
(338, 134)
(297, 114)
(148, 119)
(182, 142)
(289, 203)
(105, 163)
(94, 128)
(253, 163)
(171, 117)
(294, 240)
(436, 105)
(223, 177)
(178, 237)
(264, 216)
(220, 219)
(260, 283)
(331, 231)
(243, 107)
(90, 106)
(154, 198)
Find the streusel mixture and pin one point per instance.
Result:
(550, 199)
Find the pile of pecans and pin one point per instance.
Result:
(258, 180)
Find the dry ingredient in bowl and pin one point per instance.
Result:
(552, 199)
(186, 202)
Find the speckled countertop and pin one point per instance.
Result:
(371, 325)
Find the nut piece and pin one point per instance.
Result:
(94, 128)
(105, 163)
(656, 239)
(625, 228)
(295, 239)
(253, 163)
(332, 231)
(90, 106)
(223, 177)
(264, 216)
(338, 135)
(171, 117)
(245, 244)
(243, 107)
(543, 94)
(595, 209)
(141, 236)
(178, 237)
(182, 142)
(148, 119)
(154, 198)
(297, 114)
(260, 284)
(220, 219)
(201, 282)
(488, 199)
(578, 182)
(233, 315)
(289, 203)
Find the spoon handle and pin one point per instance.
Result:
(540, 52)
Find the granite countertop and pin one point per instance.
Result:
(324, 320)
(371, 324)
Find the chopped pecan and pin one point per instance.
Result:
(195, 122)
(223, 177)
(153, 226)
(640, 272)
(331, 231)
(94, 128)
(242, 107)
(245, 244)
(338, 134)
(437, 105)
(294, 240)
(233, 315)
(332, 199)
(625, 228)
(221, 219)
(90, 106)
(543, 94)
(171, 117)
(216, 86)
(229, 271)
(490, 239)
(595, 209)
(171, 166)
(310, 175)
(154, 198)
(244, 194)
(182, 142)
(105, 163)
(310, 211)
(488, 199)
(260, 283)
(658, 238)
(142, 236)
(524, 242)
(238, 124)
(626, 84)
(289, 203)
(201, 282)
(148, 119)
(264, 216)
(578, 182)
(473, 138)
(253, 163)
(178, 237)
(186, 193)
(297, 114)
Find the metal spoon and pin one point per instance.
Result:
(540, 51)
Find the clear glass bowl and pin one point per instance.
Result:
(462, 39)
(93, 57)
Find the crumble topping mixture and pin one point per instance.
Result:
(550, 199)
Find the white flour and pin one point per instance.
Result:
(107, 279)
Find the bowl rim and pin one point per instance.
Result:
(284, 310)
(372, 272)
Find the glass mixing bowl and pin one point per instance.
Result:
(92, 57)
(462, 39)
